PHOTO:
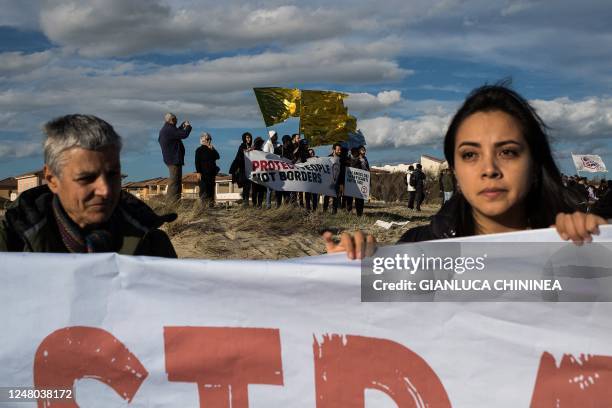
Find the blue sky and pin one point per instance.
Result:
(406, 65)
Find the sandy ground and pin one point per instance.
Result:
(248, 233)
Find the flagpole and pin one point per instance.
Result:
(574, 163)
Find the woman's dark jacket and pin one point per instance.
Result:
(205, 160)
(237, 169)
(443, 225)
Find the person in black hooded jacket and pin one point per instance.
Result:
(506, 176)
(237, 169)
(258, 191)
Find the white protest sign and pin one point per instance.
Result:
(193, 333)
(357, 183)
(317, 175)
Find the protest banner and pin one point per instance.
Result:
(317, 175)
(591, 163)
(357, 183)
(186, 333)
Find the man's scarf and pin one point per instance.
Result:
(103, 239)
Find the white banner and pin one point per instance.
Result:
(357, 183)
(589, 162)
(294, 333)
(317, 175)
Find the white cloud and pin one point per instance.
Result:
(119, 28)
(385, 131)
(584, 122)
(12, 63)
(19, 149)
(515, 7)
(22, 13)
(590, 118)
(363, 103)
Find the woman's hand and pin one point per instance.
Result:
(578, 227)
(356, 246)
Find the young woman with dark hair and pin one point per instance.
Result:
(507, 180)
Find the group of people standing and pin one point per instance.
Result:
(293, 148)
(296, 149)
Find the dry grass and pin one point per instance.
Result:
(250, 233)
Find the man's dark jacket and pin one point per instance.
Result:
(29, 226)
(170, 140)
(419, 178)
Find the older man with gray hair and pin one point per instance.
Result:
(82, 209)
(173, 152)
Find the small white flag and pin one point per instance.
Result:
(589, 162)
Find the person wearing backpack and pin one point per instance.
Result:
(411, 188)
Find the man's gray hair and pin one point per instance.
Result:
(84, 131)
(169, 116)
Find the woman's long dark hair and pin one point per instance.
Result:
(547, 196)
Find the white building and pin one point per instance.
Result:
(431, 165)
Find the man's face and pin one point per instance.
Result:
(338, 151)
(89, 184)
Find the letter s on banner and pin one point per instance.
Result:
(223, 361)
(77, 352)
(346, 366)
(584, 381)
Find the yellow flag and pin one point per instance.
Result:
(278, 104)
(324, 118)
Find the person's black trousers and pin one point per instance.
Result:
(359, 203)
(411, 196)
(420, 196)
(207, 188)
(246, 192)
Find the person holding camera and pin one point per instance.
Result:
(173, 152)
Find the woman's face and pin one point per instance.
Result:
(493, 164)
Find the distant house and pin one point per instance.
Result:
(432, 165)
(8, 188)
(190, 185)
(224, 188)
(29, 180)
(146, 188)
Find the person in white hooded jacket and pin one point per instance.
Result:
(269, 147)
(270, 144)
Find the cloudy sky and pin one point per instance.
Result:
(407, 65)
